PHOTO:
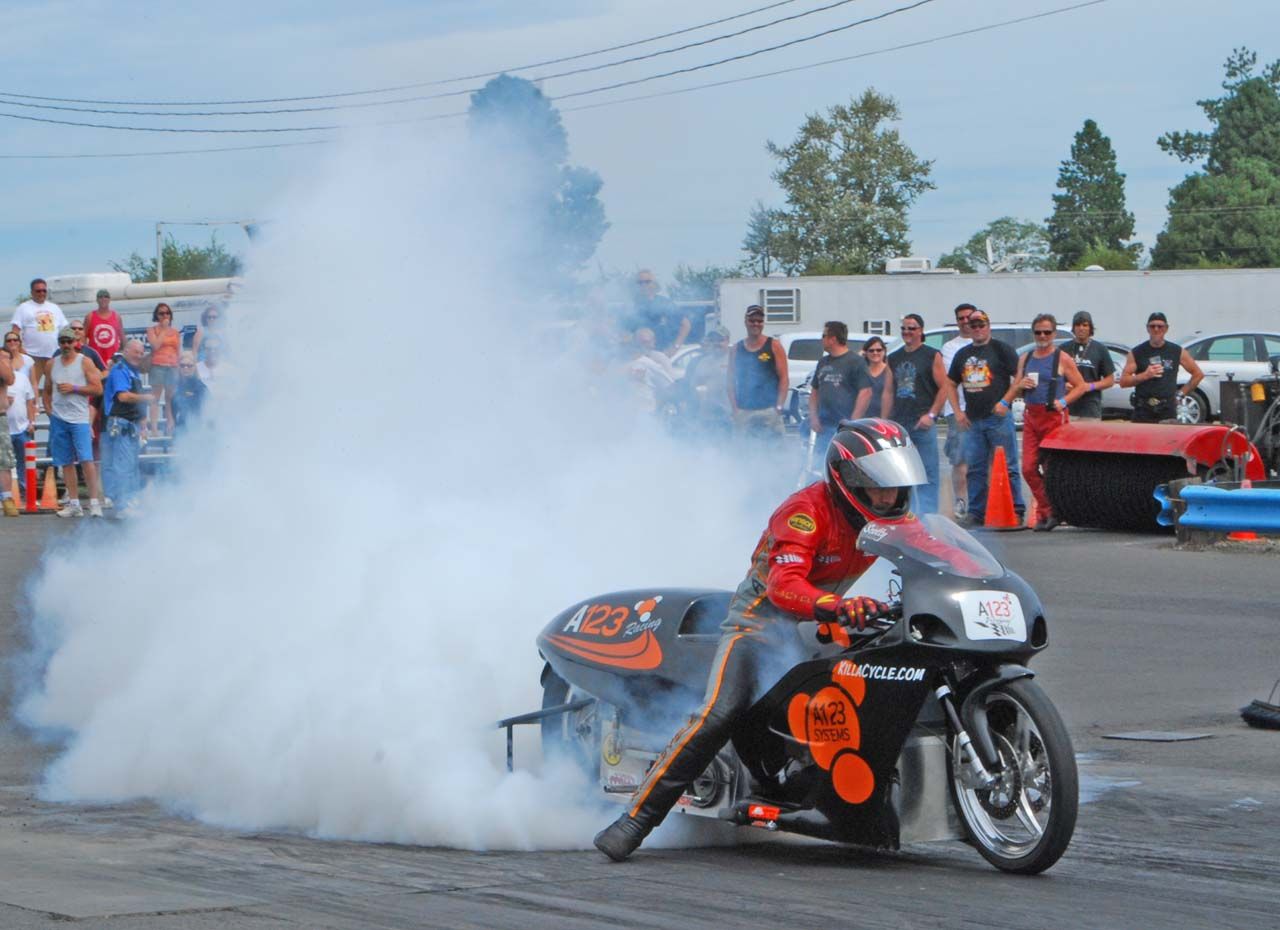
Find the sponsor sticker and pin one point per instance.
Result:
(992, 615)
(802, 523)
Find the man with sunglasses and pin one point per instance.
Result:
(72, 381)
(984, 371)
(1152, 371)
(39, 320)
(920, 387)
(1051, 381)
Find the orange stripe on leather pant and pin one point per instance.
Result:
(732, 686)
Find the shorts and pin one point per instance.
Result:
(954, 448)
(7, 459)
(69, 442)
(163, 376)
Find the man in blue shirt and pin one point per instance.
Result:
(125, 406)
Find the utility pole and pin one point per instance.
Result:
(159, 254)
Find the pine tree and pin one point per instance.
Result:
(1228, 214)
(1090, 213)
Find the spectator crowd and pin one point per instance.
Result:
(104, 396)
(956, 403)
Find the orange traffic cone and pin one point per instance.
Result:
(49, 496)
(1000, 512)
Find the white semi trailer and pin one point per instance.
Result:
(1120, 301)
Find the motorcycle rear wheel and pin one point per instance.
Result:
(1024, 823)
(574, 736)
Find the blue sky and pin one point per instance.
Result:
(995, 111)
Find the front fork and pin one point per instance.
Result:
(976, 774)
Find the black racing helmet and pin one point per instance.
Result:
(872, 453)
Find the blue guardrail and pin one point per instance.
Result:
(1223, 511)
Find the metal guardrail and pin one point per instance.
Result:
(1221, 508)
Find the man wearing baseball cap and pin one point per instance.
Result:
(1152, 371)
(103, 330)
(757, 380)
(1095, 365)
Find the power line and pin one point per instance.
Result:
(834, 61)
(452, 93)
(592, 106)
(434, 83)
(594, 90)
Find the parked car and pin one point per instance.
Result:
(1223, 356)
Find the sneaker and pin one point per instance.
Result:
(960, 508)
(10, 508)
(95, 509)
(71, 510)
(107, 503)
(968, 521)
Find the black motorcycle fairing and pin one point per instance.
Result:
(646, 650)
(845, 720)
(956, 594)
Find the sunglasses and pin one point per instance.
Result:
(977, 324)
(1043, 332)
(1157, 326)
(909, 329)
(65, 342)
(875, 349)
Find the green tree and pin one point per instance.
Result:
(1015, 244)
(765, 241)
(700, 283)
(1109, 259)
(183, 262)
(1228, 213)
(1090, 212)
(523, 154)
(849, 180)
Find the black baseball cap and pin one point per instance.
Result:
(1082, 316)
(1157, 316)
(755, 310)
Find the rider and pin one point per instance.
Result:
(806, 553)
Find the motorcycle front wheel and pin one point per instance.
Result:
(1024, 822)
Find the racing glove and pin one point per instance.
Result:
(852, 611)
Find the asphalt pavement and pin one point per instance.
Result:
(1143, 637)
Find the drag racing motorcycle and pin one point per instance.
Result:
(926, 726)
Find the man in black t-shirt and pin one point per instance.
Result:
(1096, 367)
(1152, 371)
(920, 387)
(984, 371)
(841, 385)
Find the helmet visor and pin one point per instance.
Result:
(889, 468)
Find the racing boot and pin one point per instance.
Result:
(621, 838)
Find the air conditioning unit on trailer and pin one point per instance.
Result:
(913, 265)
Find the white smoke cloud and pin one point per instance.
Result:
(315, 628)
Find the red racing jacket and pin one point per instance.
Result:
(806, 554)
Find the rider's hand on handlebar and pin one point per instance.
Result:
(856, 611)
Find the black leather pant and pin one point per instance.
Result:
(746, 663)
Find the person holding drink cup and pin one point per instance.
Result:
(1152, 371)
(1049, 381)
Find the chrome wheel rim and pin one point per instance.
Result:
(1010, 818)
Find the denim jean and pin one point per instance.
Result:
(980, 444)
(924, 499)
(121, 474)
(19, 443)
